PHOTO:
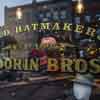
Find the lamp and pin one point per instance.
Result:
(79, 7)
(19, 13)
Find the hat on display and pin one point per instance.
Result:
(84, 79)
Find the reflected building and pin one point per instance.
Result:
(45, 11)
